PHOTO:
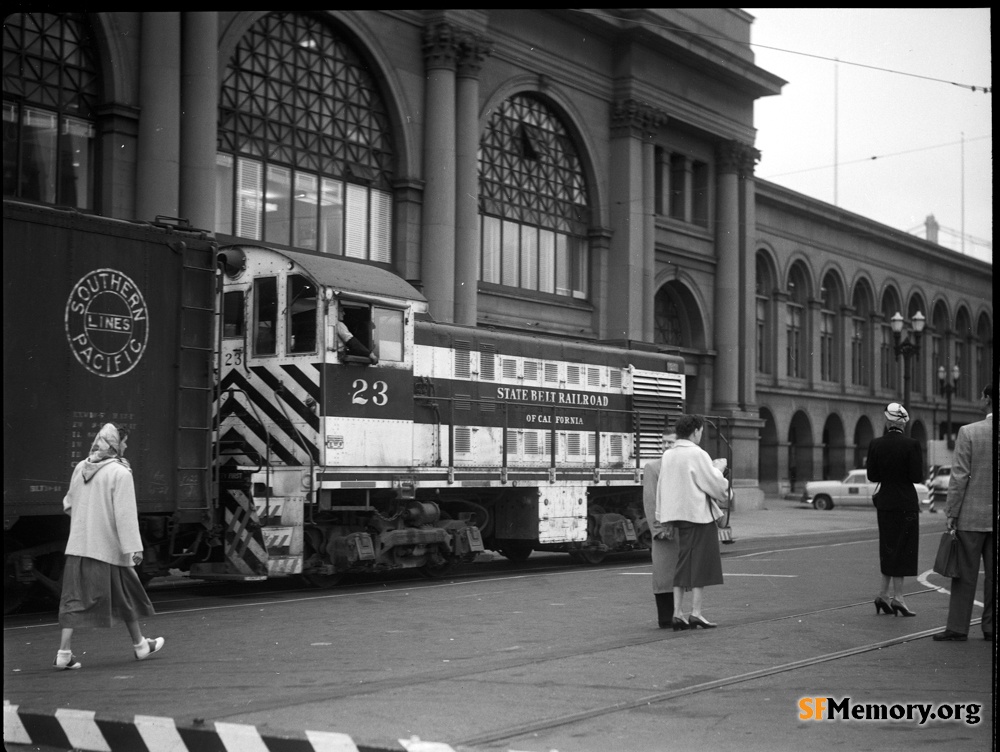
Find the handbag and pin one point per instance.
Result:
(946, 561)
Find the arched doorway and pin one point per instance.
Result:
(767, 456)
(863, 435)
(834, 449)
(800, 451)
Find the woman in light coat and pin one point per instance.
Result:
(689, 486)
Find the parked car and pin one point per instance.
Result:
(855, 489)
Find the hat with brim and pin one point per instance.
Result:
(896, 413)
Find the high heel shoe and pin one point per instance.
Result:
(881, 605)
(680, 624)
(697, 621)
(899, 608)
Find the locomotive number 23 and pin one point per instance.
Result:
(377, 393)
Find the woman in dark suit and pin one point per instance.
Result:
(896, 463)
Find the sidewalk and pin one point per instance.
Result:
(783, 516)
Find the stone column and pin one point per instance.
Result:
(438, 234)
(781, 335)
(748, 282)
(847, 337)
(199, 118)
(472, 50)
(631, 267)
(874, 345)
(158, 152)
(726, 327)
(815, 375)
(649, 238)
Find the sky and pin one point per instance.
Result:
(873, 92)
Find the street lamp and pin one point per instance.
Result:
(948, 389)
(907, 348)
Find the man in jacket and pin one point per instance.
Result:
(663, 543)
(970, 510)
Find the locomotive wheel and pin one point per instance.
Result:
(313, 539)
(592, 556)
(436, 571)
(516, 552)
(323, 581)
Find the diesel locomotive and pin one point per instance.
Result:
(293, 413)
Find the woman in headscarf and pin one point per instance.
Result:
(100, 586)
(896, 463)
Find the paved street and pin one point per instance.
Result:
(562, 658)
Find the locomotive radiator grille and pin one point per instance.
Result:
(656, 395)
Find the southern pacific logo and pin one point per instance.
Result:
(107, 323)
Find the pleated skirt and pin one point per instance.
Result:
(699, 561)
(98, 594)
(898, 542)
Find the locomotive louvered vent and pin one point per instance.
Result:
(593, 377)
(489, 406)
(488, 363)
(616, 378)
(463, 401)
(463, 359)
(532, 444)
(573, 375)
(508, 367)
(655, 396)
(512, 442)
(592, 444)
(551, 372)
(573, 443)
(616, 445)
(463, 440)
(531, 370)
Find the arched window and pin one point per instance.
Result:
(795, 323)
(50, 94)
(984, 354)
(829, 329)
(533, 201)
(669, 322)
(860, 337)
(887, 352)
(918, 369)
(306, 153)
(963, 343)
(939, 343)
(765, 290)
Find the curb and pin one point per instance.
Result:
(84, 730)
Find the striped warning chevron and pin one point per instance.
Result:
(274, 411)
(84, 730)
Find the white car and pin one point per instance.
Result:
(854, 489)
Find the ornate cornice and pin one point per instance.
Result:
(738, 157)
(441, 46)
(472, 51)
(629, 116)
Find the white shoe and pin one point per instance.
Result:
(66, 661)
(147, 647)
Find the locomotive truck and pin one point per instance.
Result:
(264, 446)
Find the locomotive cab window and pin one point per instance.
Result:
(389, 333)
(354, 333)
(265, 315)
(232, 314)
(301, 315)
